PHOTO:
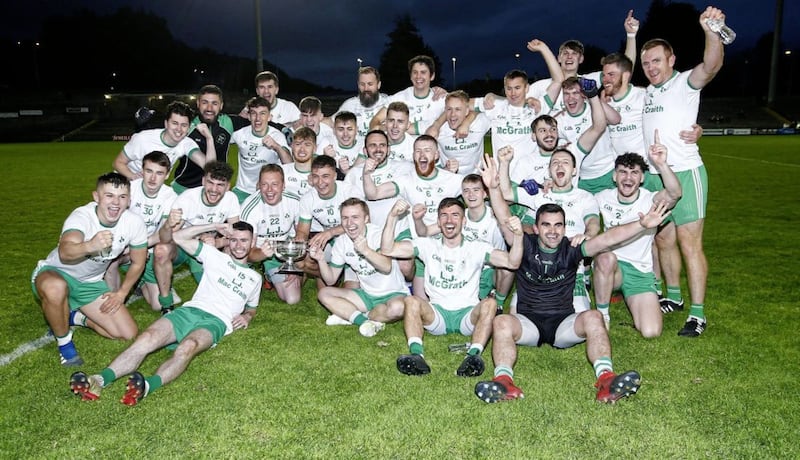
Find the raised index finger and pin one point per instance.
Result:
(655, 137)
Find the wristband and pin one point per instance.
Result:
(631, 34)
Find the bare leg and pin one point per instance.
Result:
(53, 292)
(163, 255)
(192, 345)
(590, 324)
(482, 316)
(690, 238)
(646, 312)
(158, 335)
(669, 256)
(507, 330)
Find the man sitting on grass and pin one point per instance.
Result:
(545, 285)
(225, 300)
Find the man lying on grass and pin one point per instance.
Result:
(225, 300)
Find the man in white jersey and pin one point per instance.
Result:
(628, 137)
(427, 187)
(69, 282)
(171, 140)
(379, 297)
(152, 200)
(258, 144)
(580, 116)
(283, 112)
(512, 118)
(401, 143)
(213, 202)
(376, 148)
(425, 104)
(311, 117)
(319, 220)
(581, 214)
(369, 101)
(629, 266)
(452, 275)
(671, 105)
(273, 215)
(461, 154)
(348, 145)
(570, 57)
(304, 143)
(226, 300)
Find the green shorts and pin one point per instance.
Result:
(652, 182)
(187, 319)
(178, 188)
(526, 215)
(692, 205)
(80, 292)
(149, 275)
(240, 194)
(635, 281)
(373, 301)
(598, 184)
(453, 318)
(487, 281)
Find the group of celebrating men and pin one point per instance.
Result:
(374, 191)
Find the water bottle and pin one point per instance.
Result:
(726, 33)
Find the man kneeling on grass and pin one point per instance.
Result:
(226, 299)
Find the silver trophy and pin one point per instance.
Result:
(290, 252)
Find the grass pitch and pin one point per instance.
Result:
(291, 387)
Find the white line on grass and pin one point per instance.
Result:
(753, 159)
(36, 344)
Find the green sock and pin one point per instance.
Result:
(167, 300)
(153, 383)
(603, 308)
(108, 376)
(358, 318)
(697, 311)
(415, 348)
(503, 370)
(475, 349)
(674, 293)
(602, 364)
(501, 299)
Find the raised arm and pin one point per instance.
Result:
(376, 192)
(498, 203)
(381, 262)
(538, 46)
(329, 274)
(672, 187)
(713, 53)
(186, 238)
(590, 137)
(513, 258)
(631, 28)
(389, 247)
(504, 156)
(211, 150)
(120, 165)
(417, 213)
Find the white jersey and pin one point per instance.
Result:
(452, 275)
(403, 150)
(600, 160)
(485, 229)
(152, 209)
(389, 171)
(325, 137)
(351, 153)
(364, 115)
(197, 212)
(150, 140)
(323, 213)
(538, 89)
(671, 108)
(128, 231)
(422, 111)
(271, 222)
(429, 191)
(253, 154)
(468, 151)
(512, 126)
(371, 280)
(284, 112)
(628, 136)
(296, 181)
(578, 204)
(637, 251)
(226, 288)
